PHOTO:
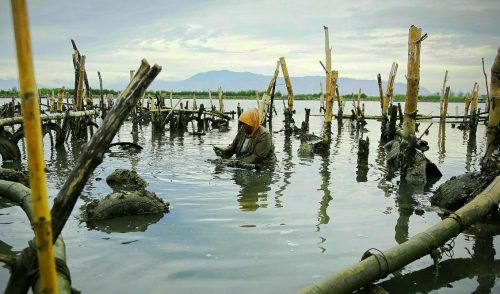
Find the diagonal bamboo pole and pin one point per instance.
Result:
(273, 79)
(381, 264)
(288, 83)
(441, 101)
(33, 135)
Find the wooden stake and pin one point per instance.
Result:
(442, 93)
(209, 97)
(413, 79)
(221, 100)
(60, 100)
(80, 89)
(380, 92)
(33, 134)
(445, 104)
(288, 83)
(101, 101)
(358, 106)
(487, 106)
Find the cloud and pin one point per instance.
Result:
(188, 37)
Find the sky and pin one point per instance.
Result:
(189, 37)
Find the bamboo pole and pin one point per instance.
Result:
(445, 103)
(389, 89)
(47, 116)
(273, 79)
(380, 265)
(33, 133)
(441, 100)
(487, 106)
(494, 112)
(413, 79)
(380, 92)
(263, 106)
(288, 83)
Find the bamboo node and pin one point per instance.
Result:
(381, 273)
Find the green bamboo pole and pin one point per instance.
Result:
(379, 265)
(42, 219)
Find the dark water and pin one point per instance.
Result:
(232, 230)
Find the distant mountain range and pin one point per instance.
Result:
(238, 81)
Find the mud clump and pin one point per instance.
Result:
(129, 198)
(124, 203)
(124, 179)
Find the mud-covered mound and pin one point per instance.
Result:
(124, 203)
(124, 179)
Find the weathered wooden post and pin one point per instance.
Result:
(444, 108)
(413, 78)
(487, 105)
(321, 98)
(52, 102)
(288, 83)
(441, 100)
(195, 105)
(289, 109)
(493, 138)
(358, 104)
(221, 100)
(101, 93)
(380, 92)
(340, 102)
(331, 84)
(468, 100)
(211, 102)
(42, 219)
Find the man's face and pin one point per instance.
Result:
(248, 129)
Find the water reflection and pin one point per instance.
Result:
(481, 264)
(125, 224)
(325, 173)
(288, 166)
(255, 186)
(442, 141)
(471, 151)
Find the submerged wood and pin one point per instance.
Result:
(93, 154)
(379, 265)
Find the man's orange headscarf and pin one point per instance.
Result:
(251, 117)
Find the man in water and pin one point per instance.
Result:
(253, 143)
